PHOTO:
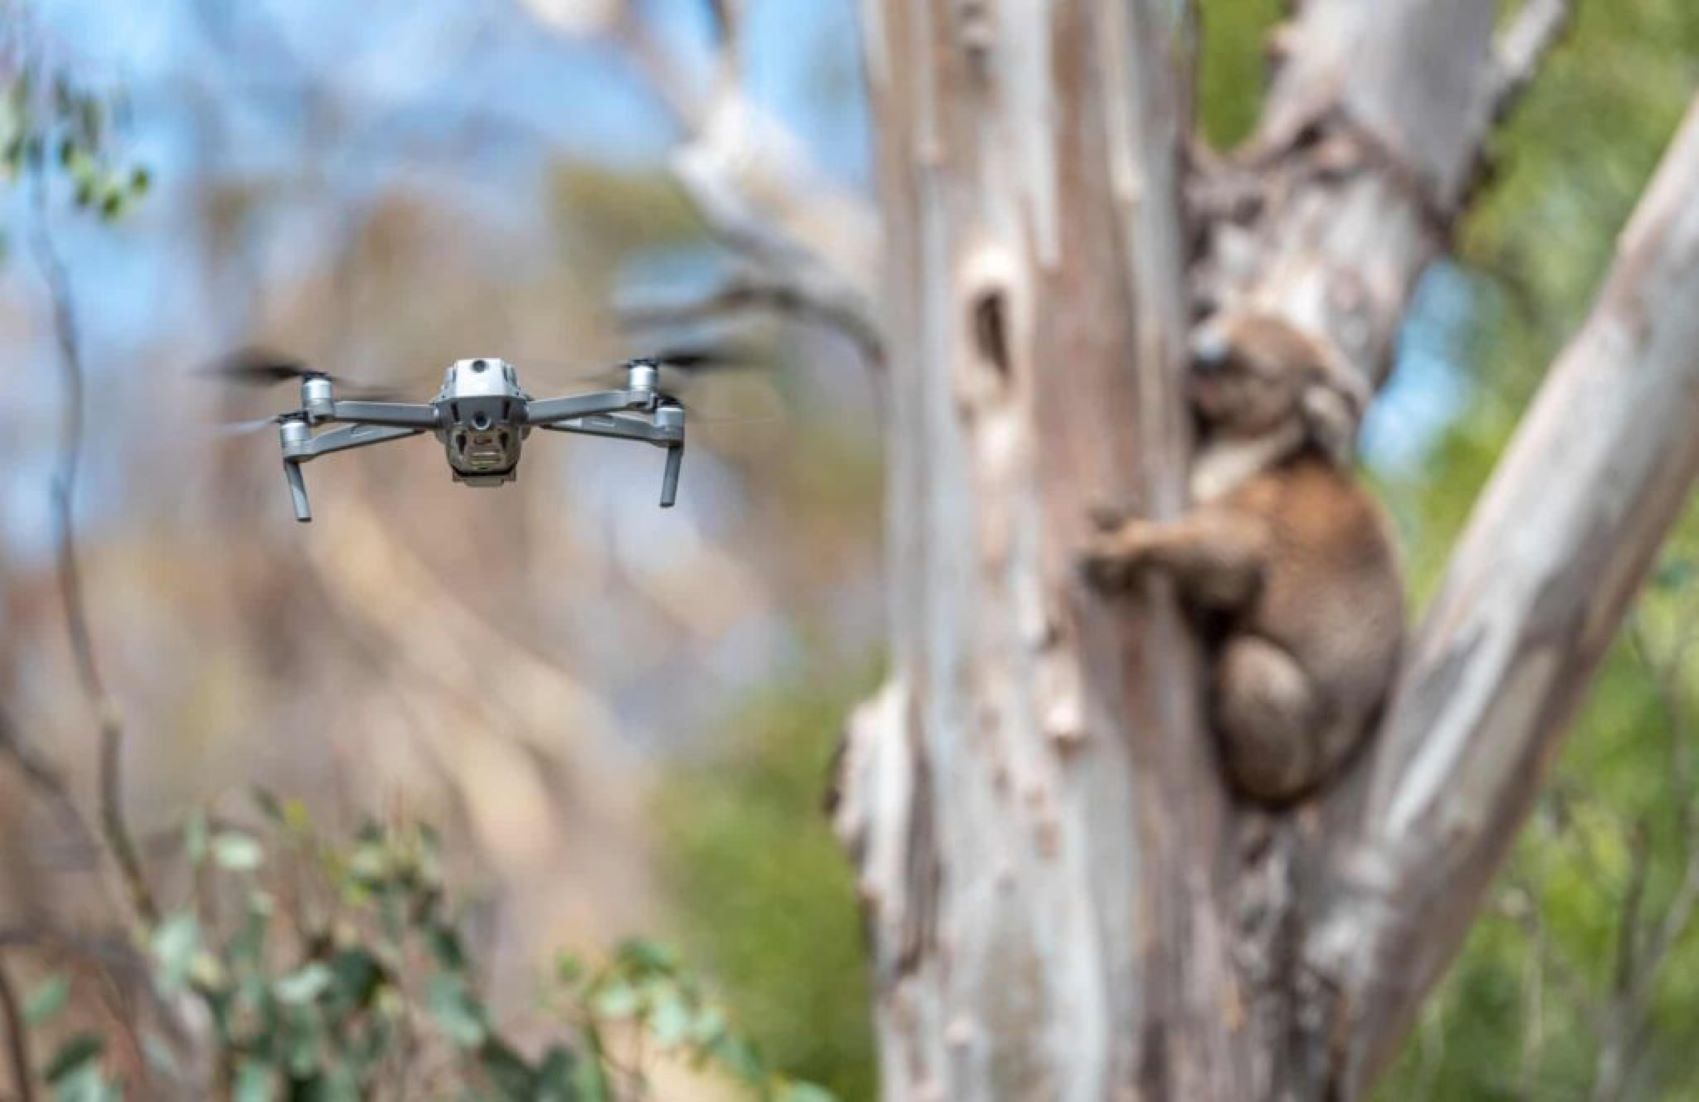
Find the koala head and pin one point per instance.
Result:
(1251, 375)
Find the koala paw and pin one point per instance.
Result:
(1113, 558)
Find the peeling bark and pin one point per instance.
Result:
(1044, 749)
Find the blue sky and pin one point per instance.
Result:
(411, 69)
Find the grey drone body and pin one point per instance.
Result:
(482, 418)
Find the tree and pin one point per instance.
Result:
(1063, 900)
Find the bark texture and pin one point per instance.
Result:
(1063, 900)
(1558, 545)
(1031, 800)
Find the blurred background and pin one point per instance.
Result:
(621, 718)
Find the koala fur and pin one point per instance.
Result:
(1287, 563)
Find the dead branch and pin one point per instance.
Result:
(732, 151)
(114, 829)
(761, 291)
(17, 1039)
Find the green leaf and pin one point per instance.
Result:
(304, 985)
(671, 1021)
(444, 942)
(196, 837)
(803, 1092)
(591, 1081)
(645, 957)
(1674, 573)
(237, 851)
(75, 1054)
(557, 1075)
(358, 975)
(507, 1072)
(47, 1000)
(85, 1084)
(175, 944)
(256, 1081)
(456, 1012)
(266, 802)
(617, 1000)
(740, 1058)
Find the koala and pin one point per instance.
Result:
(1287, 564)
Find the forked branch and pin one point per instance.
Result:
(1556, 549)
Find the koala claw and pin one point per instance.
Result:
(1112, 559)
(1107, 518)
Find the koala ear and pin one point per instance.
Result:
(1331, 417)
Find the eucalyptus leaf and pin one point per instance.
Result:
(175, 944)
(80, 1051)
(256, 1081)
(47, 1000)
(304, 985)
(237, 851)
(456, 1012)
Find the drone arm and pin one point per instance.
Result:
(548, 413)
(406, 415)
(299, 446)
(336, 440)
(621, 426)
(665, 431)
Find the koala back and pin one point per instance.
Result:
(1331, 593)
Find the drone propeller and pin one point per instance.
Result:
(262, 368)
(244, 428)
(680, 363)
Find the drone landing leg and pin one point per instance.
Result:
(298, 491)
(669, 481)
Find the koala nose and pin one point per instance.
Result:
(1210, 350)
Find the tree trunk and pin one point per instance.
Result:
(1064, 901)
(1032, 801)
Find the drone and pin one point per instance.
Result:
(481, 416)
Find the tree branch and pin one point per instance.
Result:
(111, 785)
(41, 774)
(17, 1039)
(1556, 549)
(1369, 145)
(747, 178)
(763, 291)
(1523, 45)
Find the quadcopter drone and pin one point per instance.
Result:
(482, 418)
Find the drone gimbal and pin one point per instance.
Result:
(482, 418)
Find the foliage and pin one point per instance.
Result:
(340, 972)
(1540, 1002)
(1232, 57)
(50, 122)
(764, 890)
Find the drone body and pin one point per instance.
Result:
(482, 417)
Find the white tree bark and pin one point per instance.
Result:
(1031, 799)
(1064, 902)
(1559, 544)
